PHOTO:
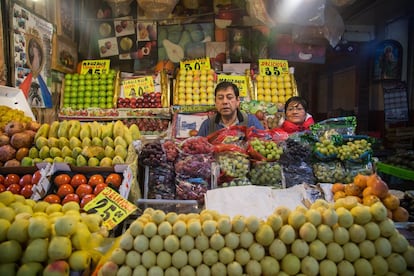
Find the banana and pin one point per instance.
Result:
(95, 129)
(85, 131)
(75, 128)
(54, 129)
(118, 129)
(63, 130)
(42, 131)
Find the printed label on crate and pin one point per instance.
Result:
(195, 64)
(137, 87)
(240, 81)
(98, 66)
(111, 206)
(273, 67)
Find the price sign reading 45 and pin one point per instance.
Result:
(195, 64)
(100, 66)
(273, 67)
(111, 206)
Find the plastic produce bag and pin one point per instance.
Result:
(160, 182)
(191, 189)
(352, 169)
(151, 154)
(329, 172)
(296, 174)
(196, 165)
(264, 150)
(334, 126)
(266, 174)
(232, 135)
(195, 145)
(305, 13)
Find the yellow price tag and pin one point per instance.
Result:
(195, 64)
(273, 67)
(239, 81)
(111, 206)
(99, 66)
(138, 86)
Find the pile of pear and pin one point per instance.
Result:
(83, 144)
(341, 238)
(40, 237)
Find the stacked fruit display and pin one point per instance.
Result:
(147, 100)
(15, 140)
(86, 144)
(326, 239)
(148, 125)
(81, 91)
(195, 87)
(369, 189)
(40, 238)
(275, 89)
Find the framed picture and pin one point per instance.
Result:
(35, 54)
(388, 60)
(64, 55)
(239, 42)
(64, 18)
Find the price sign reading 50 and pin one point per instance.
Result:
(111, 206)
(196, 64)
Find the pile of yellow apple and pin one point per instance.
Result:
(345, 238)
(275, 89)
(40, 238)
(195, 87)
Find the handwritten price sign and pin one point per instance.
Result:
(195, 64)
(239, 81)
(273, 67)
(137, 87)
(111, 206)
(100, 66)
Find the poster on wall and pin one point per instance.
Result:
(388, 60)
(32, 45)
(180, 42)
(395, 102)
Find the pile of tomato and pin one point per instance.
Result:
(19, 184)
(79, 187)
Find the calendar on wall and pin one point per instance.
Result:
(395, 102)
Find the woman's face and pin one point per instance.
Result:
(295, 113)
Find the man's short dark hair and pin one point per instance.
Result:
(298, 100)
(224, 85)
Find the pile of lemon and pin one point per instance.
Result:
(275, 89)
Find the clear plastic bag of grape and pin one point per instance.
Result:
(264, 150)
(335, 126)
(195, 165)
(266, 174)
(353, 168)
(151, 154)
(329, 172)
(297, 173)
(195, 145)
(191, 188)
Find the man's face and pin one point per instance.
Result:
(227, 102)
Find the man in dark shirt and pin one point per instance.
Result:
(228, 113)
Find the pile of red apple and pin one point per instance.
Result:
(148, 124)
(148, 100)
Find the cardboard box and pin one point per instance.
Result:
(14, 98)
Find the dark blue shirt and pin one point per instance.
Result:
(252, 121)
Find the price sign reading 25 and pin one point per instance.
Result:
(196, 64)
(111, 206)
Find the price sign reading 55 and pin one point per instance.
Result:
(111, 206)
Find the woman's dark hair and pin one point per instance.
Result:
(226, 84)
(298, 100)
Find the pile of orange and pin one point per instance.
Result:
(370, 189)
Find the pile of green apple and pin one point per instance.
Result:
(41, 238)
(81, 91)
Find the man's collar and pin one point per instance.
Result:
(239, 117)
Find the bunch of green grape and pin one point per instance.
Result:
(326, 147)
(266, 174)
(234, 164)
(353, 149)
(8, 114)
(267, 148)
